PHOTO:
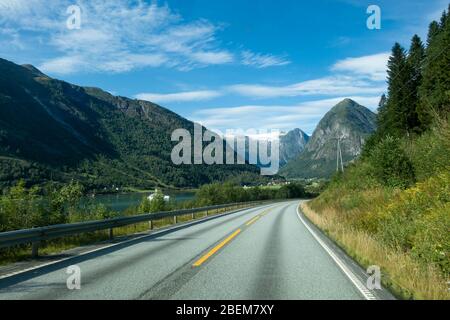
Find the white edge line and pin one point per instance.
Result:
(357, 283)
(12, 274)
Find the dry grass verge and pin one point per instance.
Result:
(406, 278)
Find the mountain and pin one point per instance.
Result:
(51, 130)
(292, 145)
(348, 120)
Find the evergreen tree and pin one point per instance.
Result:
(394, 119)
(382, 114)
(433, 31)
(415, 60)
(382, 103)
(444, 19)
(375, 138)
(435, 88)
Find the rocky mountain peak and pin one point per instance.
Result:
(292, 145)
(348, 121)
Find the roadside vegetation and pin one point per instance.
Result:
(392, 207)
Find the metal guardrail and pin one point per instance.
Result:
(36, 235)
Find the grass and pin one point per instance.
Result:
(405, 276)
(52, 247)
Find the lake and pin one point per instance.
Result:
(121, 202)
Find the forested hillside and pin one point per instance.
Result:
(53, 131)
(392, 207)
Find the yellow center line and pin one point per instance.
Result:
(265, 212)
(200, 261)
(258, 216)
(252, 221)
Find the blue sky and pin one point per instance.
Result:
(230, 64)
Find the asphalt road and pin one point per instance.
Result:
(261, 253)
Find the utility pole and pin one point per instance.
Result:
(339, 155)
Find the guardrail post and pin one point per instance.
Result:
(193, 215)
(206, 212)
(35, 250)
(111, 234)
(150, 224)
(175, 219)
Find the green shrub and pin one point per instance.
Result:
(430, 153)
(22, 208)
(19, 207)
(157, 204)
(291, 191)
(391, 165)
(418, 220)
(432, 241)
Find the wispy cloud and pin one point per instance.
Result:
(115, 36)
(179, 97)
(364, 75)
(329, 86)
(332, 85)
(340, 42)
(212, 57)
(64, 65)
(119, 36)
(372, 66)
(283, 117)
(261, 61)
(30, 15)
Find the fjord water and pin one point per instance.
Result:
(123, 201)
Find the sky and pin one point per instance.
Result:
(227, 64)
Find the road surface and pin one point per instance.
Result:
(266, 252)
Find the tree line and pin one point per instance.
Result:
(418, 83)
(417, 102)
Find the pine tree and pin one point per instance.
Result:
(435, 88)
(394, 119)
(433, 31)
(443, 20)
(415, 60)
(382, 114)
(382, 103)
